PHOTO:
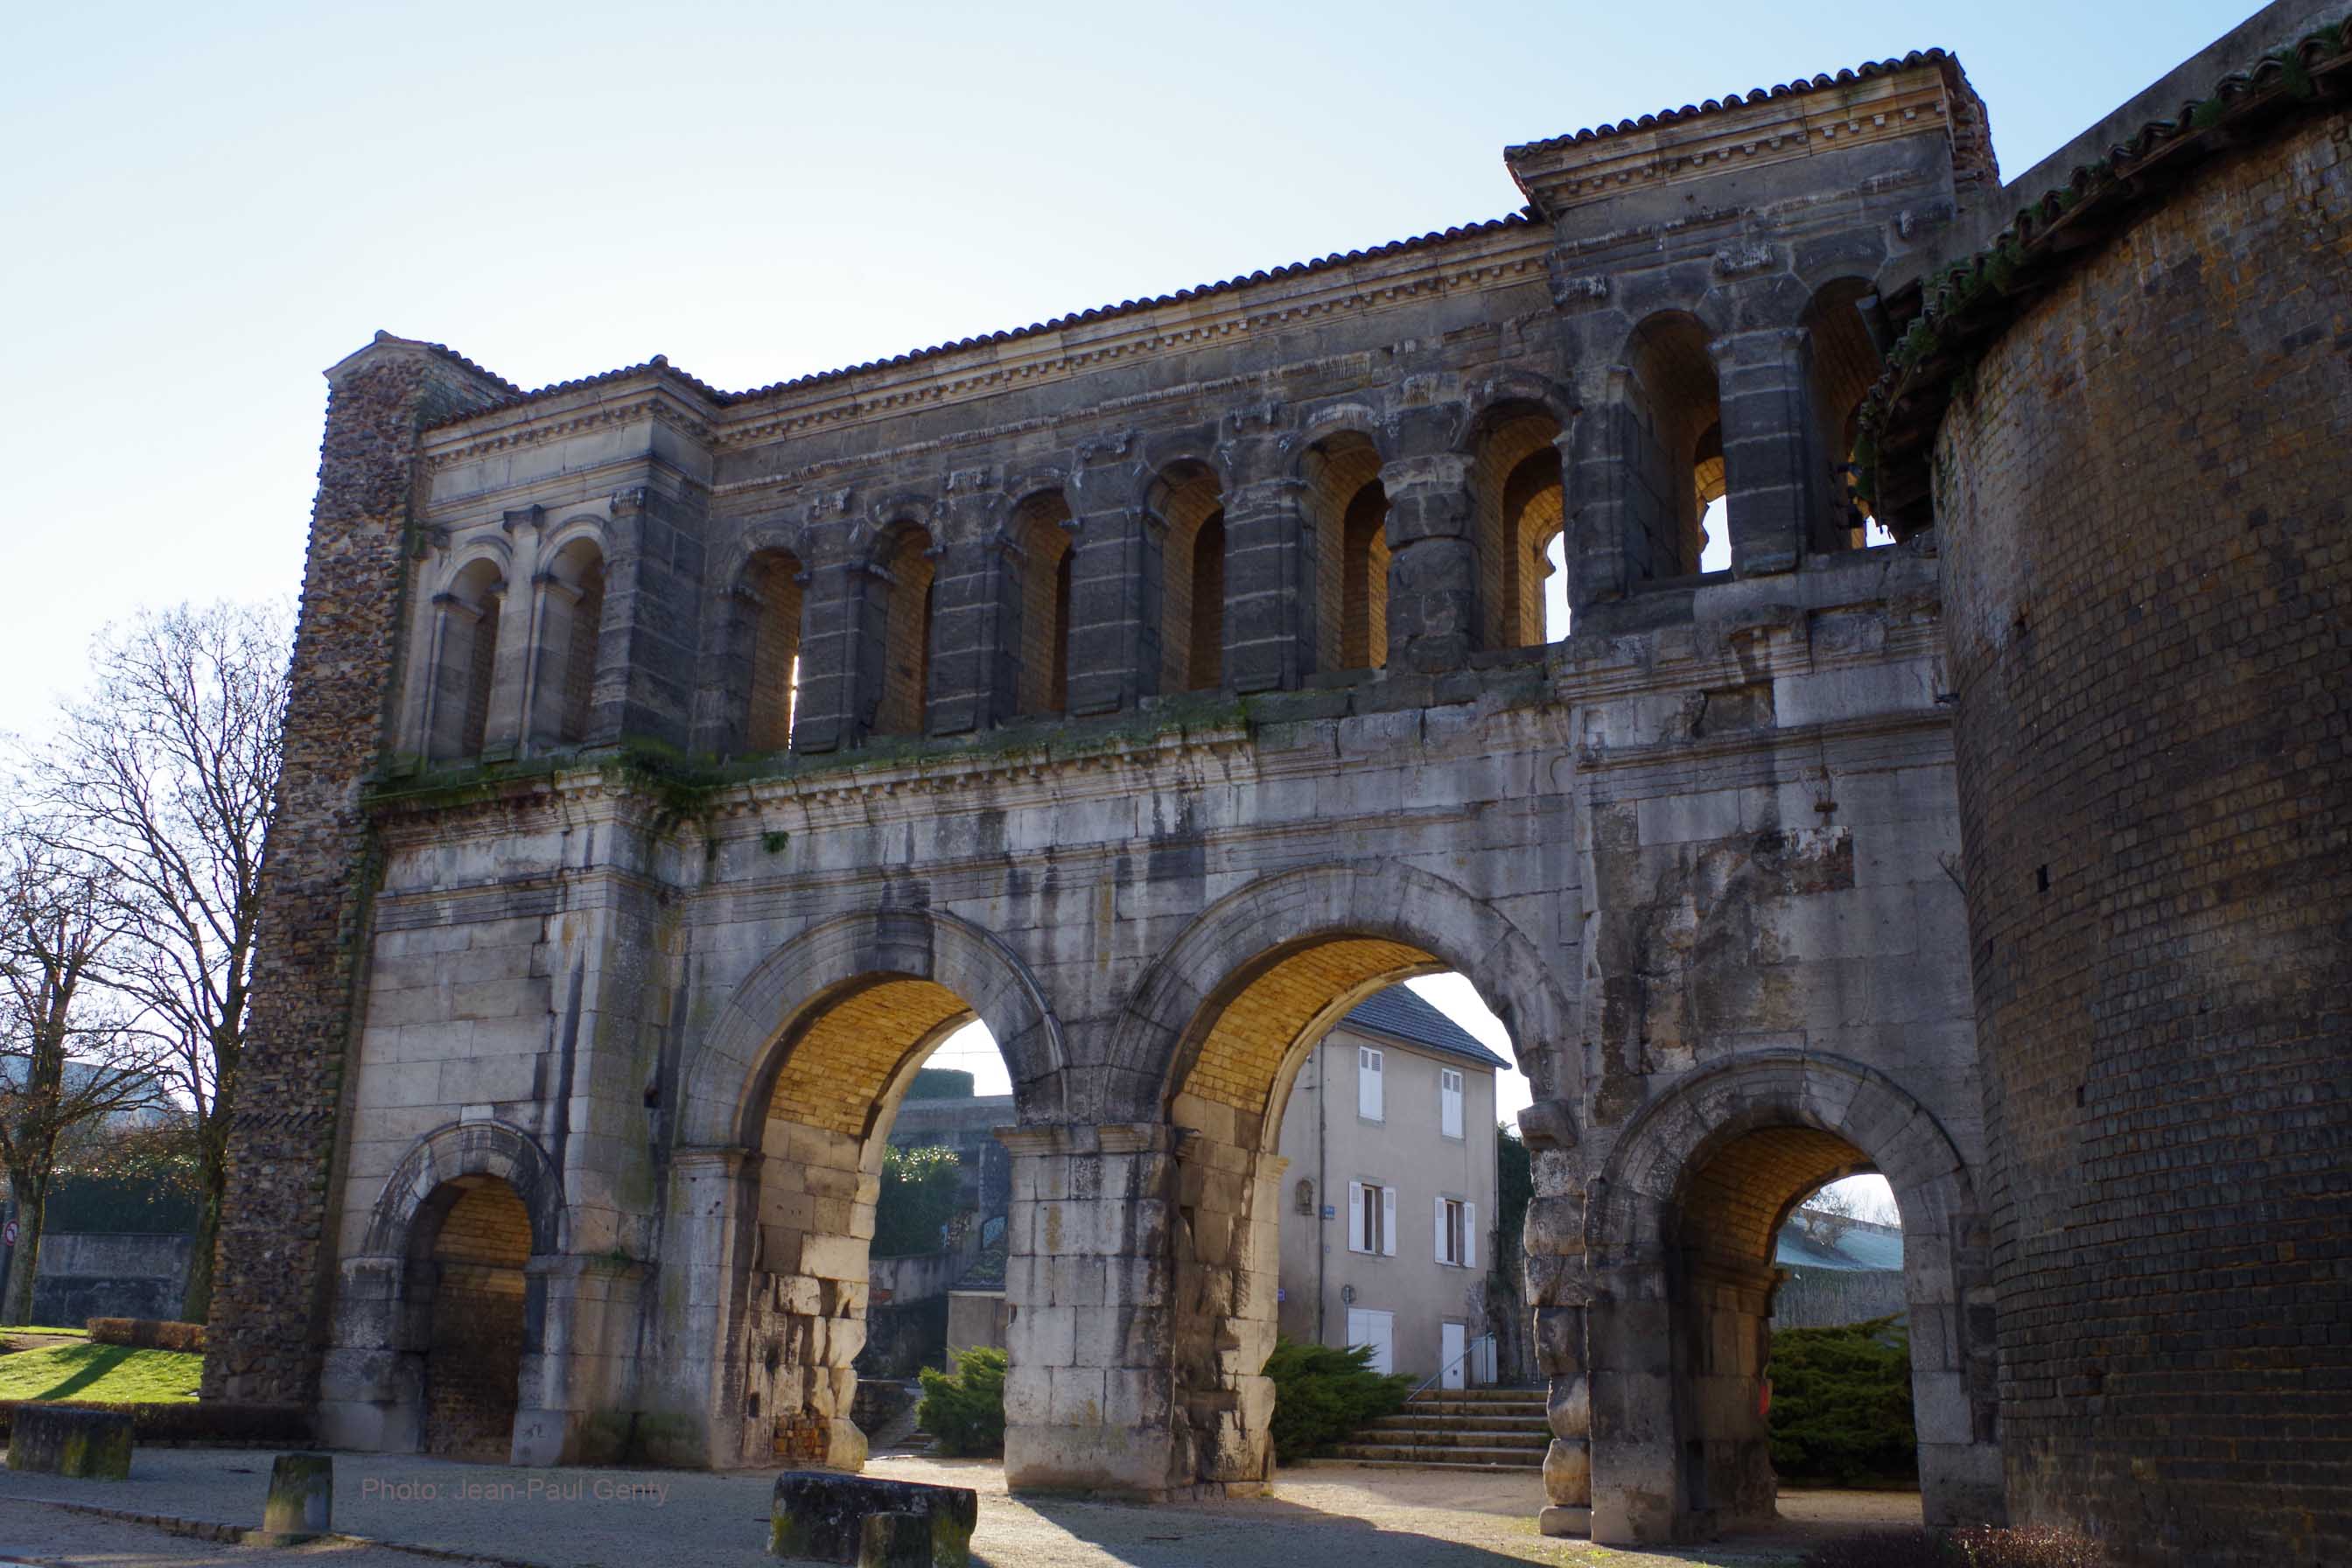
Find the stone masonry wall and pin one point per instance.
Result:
(2148, 583)
(264, 1330)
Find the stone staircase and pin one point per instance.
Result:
(1457, 1429)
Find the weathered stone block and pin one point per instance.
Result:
(67, 1440)
(820, 1515)
(301, 1500)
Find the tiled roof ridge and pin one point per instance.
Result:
(1797, 89)
(1520, 219)
(1976, 295)
(1445, 1034)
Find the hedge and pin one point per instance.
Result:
(148, 1335)
(194, 1421)
(964, 1410)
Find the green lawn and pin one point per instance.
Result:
(111, 1374)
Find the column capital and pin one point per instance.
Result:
(1081, 1138)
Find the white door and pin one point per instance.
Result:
(1376, 1330)
(1450, 1349)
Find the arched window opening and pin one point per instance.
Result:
(1558, 618)
(1348, 509)
(474, 1348)
(1675, 470)
(1041, 530)
(1189, 502)
(574, 613)
(1842, 362)
(466, 662)
(906, 633)
(1516, 489)
(772, 579)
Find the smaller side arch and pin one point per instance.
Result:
(468, 1149)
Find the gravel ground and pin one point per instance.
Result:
(632, 1519)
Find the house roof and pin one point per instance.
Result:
(1866, 1247)
(1400, 1015)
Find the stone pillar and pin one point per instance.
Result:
(695, 1381)
(840, 665)
(1767, 447)
(976, 612)
(1432, 558)
(371, 1392)
(1089, 1400)
(275, 1263)
(654, 556)
(578, 1361)
(1629, 1361)
(1114, 581)
(1269, 556)
(1228, 1268)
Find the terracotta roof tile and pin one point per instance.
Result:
(1801, 86)
(1059, 324)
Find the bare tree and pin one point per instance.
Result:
(166, 774)
(66, 1059)
(1827, 1215)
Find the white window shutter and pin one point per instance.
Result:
(1388, 1221)
(1449, 1101)
(1368, 1083)
(1355, 1217)
(1440, 1231)
(1469, 1235)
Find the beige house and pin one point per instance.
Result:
(1389, 1133)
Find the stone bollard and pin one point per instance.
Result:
(894, 1540)
(67, 1440)
(301, 1505)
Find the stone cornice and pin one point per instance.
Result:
(583, 411)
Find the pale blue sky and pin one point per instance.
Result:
(206, 206)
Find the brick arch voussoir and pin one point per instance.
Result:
(494, 1149)
(1290, 910)
(722, 1102)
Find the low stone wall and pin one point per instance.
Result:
(1830, 1298)
(87, 1275)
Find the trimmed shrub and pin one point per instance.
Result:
(1975, 1548)
(964, 1410)
(195, 1422)
(1322, 1394)
(148, 1335)
(1842, 1404)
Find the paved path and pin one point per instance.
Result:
(639, 1519)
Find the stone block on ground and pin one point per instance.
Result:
(301, 1502)
(823, 1515)
(67, 1440)
(1557, 1521)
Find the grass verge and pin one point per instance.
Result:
(115, 1373)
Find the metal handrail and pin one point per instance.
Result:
(1467, 1351)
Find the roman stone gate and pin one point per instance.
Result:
(670, 769)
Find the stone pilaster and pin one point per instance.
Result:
(1269, 556)
(646, 662)
(273, 1272)
(1115, 582)
(974, 667)
(1432, 558)
(1767, 447)
(1090, 1401)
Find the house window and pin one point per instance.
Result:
(1368, 1102)
(1449, 1102)
(1457, 1233)
(1371, 1219)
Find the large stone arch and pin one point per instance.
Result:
(773, 1181)
(372, 1388)
(1227, 945)
(727, 1083)
(1824, 1116)
(1215, 1033)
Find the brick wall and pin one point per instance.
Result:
(474, 1359)
(906, 635)
(267, 1311)
(2148, 583)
